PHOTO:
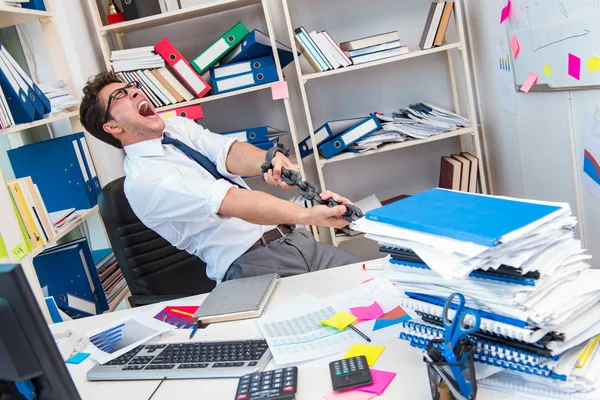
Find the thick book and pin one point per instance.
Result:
(450, 173)
(370, 41)
(431, 26)
(474, 171)
(475, 218)
(441, 32)
(238, 299)
(465, 172)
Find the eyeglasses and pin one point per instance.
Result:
(119, 94)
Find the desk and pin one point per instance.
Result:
(410, 383)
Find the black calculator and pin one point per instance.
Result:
(279, 384)
(350, 373)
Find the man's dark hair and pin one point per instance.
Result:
(92, 110)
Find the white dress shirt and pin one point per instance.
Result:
(177, 198)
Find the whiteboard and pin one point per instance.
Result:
(548, 30)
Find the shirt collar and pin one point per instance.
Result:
(151, 147)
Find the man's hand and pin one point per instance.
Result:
(273, 176)
(323, 215)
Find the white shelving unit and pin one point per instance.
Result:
(458, 44)
(10, 16)
(119, 30)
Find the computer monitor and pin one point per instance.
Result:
(27, 349)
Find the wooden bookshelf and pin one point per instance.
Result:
(408, 56)
(172, 17)
(396, 146)
(45, 121)
(11, 16)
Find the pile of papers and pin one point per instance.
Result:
(60, 100)
(135, 59)
(518, 263)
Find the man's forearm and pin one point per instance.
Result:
(262, 208)
(245, 159)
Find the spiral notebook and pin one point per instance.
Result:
(238, 299)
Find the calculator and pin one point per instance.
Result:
(350, 373)
(278, 384)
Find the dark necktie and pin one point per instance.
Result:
(199, 158)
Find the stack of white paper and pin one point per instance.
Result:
(60, 100)
(135, 59)
(537, 296)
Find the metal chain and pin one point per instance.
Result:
(308, 190)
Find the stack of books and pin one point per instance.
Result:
(111, 277)
(60, 100)
(518, 264)
(320, 50)
(21, 100)
(373, 48)
(459, 172)
(145, 66)
(436, 25)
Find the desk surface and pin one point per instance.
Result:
(411, 381)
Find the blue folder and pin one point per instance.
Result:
(342, 141)
(256, 44)
(57, 167)
(89, 164)
(35, 5)
(326, 131)
(69, 275)
(229, 77)
(463, 216)
(268, 144)
(255, 135)
(20, 106)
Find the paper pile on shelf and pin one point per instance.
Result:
(60, 100)
(518, 263)
(135, 59)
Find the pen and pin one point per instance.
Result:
(359, 332)
(195, 328)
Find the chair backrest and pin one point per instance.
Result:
(150, 264)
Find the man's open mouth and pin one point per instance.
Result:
(145, 110)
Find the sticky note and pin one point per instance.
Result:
(574, 66)
(367, 313)
(349, 395)
(547, 70)
(279, 90)
(78, 358)
(340, 320)
(597, 62)
(391, 318)
(19, 252)
(505, 12)
(381, 380)
(371, 352)
(529, 82)
(515, 46)
(592, 65)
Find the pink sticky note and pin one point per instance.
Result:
(279, 90)
(515, 46)
(368, 313)
(505, 12)
(381, 380)
(353, 395)
(529, 82)
(574, 66)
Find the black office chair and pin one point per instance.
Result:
(154, 269)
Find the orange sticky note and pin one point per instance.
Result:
(529, 82)
(279, 90)
(515, 46)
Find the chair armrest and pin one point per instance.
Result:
(141, 300)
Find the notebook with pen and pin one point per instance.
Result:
(238, 299)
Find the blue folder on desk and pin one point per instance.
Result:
(69, 275)
(244, 74)
(463, 216)
(57, 166)
(340, 142)
(256, 44)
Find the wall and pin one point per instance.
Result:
(536, 153)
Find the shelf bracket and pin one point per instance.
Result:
(45, 20)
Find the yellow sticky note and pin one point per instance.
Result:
(592, 64)
(370, 351)
(340, 320)
(547, 70)
(597, 59)
(19, 252)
